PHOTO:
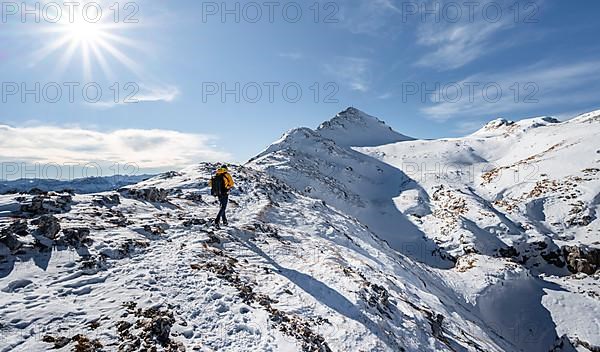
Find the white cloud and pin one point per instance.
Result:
(144, 94)
(150, 94)
(147, 149)
(457, 45)
(539, 86)
(454, 45)
(351, 71)
(366, 17)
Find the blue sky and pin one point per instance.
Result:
(376, 55)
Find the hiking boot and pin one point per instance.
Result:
(225, 223)
(216, 225)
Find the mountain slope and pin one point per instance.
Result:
(523, 191)
(142, 269)
(350, 181)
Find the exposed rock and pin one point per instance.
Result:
(82, 343)
(437, 326)
(107, 201)
(75, 236)
(508, 252)
(9, 234)
(59, 342)
(151, 194)
(581, 259)
(194, 221)
(18, 228)
(156, 229)
(176, 192)
(91, 265)
(377, 297)
(261, 227)
(48, 226)
(194, 196)
(553, 257)
(160, 327)
(168, 174)
(117, 218)
(10, 241)
(152, 328)
(465, 263)
(48, 204)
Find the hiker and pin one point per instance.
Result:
(220, 185)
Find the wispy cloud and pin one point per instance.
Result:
(457, 45)
(148, 149)
(453, 45)
(150, 94)
(367, 17)
(541, 86)
(350, 71)
(145, 94)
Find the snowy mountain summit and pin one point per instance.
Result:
(503, 126)
(354, 128)
(347, 237)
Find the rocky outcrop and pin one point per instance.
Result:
(150, 194)
(9, 234)
(48, 203)
(168, 175)
(581, 259)
(156, 229)
(150, 329)
(81, 343)
(75, 236)
(48, 226)
(107, 200)
(18, 228)
(194, 196)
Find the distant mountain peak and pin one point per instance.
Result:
(350, 110)
(352, 115)
(503, 126)
(498, 123)
(354, 128)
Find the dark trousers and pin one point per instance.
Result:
(223, 200)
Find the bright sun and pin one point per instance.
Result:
(83, 31)
(94, 40)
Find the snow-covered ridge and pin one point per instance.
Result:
(142, 269)
(593, 116)
(528, 191)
